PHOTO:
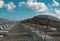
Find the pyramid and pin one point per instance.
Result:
(17, 33)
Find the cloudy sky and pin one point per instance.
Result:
(18, 10)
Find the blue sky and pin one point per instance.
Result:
(17, 10)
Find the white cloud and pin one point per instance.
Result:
(11, 6)
(57, 11)
(35, 6)
(56, 14)
(1, 3)
(55, 3)
(31, 0)
(21, 4)
(47, 13)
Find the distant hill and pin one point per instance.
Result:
(6, 24)
(52, 18)
(5, 21)
(43, 19)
